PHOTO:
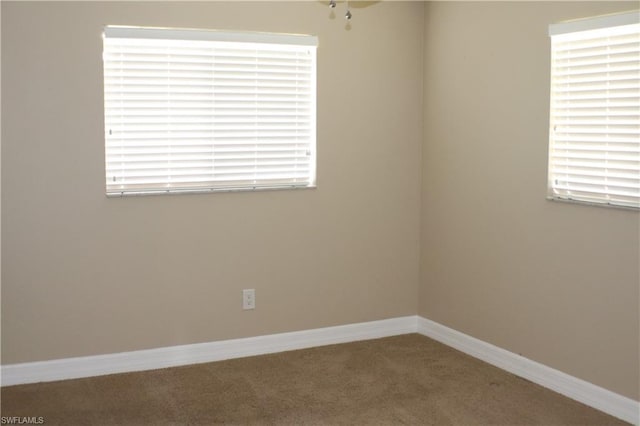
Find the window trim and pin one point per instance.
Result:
(287, 41)
(160, 33)
(566, 29)
(595, 23)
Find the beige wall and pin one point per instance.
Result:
(83, 274)
(555, 282)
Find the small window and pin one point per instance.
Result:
(201, 111)
(594, 143)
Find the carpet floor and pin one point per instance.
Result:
(401, 380)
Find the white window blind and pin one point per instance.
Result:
(594, 149)
(191, 110)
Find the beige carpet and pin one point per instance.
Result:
(402, 380)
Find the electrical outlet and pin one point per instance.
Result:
(248, 298)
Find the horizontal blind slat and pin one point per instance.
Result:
(594, 150)
(204, 114)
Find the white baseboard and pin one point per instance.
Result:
(72, 368)
(589, 394)
(151, 359)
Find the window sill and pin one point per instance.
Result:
(204, 191)
(593, 204)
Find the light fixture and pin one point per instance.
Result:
(348, 15)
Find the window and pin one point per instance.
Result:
(594, 143)
(201, 111)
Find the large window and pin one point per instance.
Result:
(594, 149)
(200, 111)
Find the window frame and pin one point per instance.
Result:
(292, 43)
(567, 30)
